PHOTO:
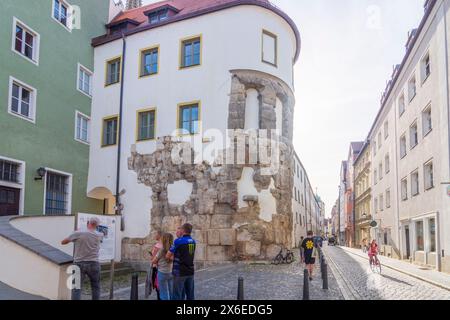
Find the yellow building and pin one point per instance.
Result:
(363, 194)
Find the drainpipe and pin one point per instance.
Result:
(119, 142)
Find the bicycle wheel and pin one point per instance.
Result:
(378, 266)
(290, 258)
(278, 259)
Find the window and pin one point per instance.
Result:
(380, 171)
(428, 175)
(432, 234)
(404, 189)
(61, 12)
(380, 141)
(388, 198)
(387, 165)
(386, 130)
(413, 135)
(9, 171)
(401, 105)
(22, 100)
(269, 48)
(25, 41)
(110, 131)
(113, 71)
(376, 204)
(149, 61)
(419, 235)
(82, 127)
(427, 124)
(295, 194)
(191, 52)
(403, 146)
(426, 67)
(146, 125)
(188, 118)
(375, 176)
(415, 183)
(374, 148)
(57, 194)
(412, 88)
(381, 202)
(84, 80)
(159, 16)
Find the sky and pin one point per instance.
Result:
(349, 48)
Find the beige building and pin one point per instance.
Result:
(363, 194)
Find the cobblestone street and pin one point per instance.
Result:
(358, 282)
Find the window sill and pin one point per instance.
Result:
(426, 78)
(109, 146)
(189, 67)
(414, 146)
(403, 156)
(18, 115)
(62, 25)
(35, 62)
(83, 142)
(111, 84)
(143, 76)
(412, 98)
(426, 134)
(429, 189)
(84, 93)
(270, 63)
(145, 140)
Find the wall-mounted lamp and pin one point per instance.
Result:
(41, 173)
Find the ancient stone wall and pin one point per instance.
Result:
(224, 231)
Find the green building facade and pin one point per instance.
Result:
(46, 62)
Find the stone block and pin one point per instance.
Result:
(171, 223)
(252, 248)
(214, 237)
(200, 252)
(202, 222)
(244, 235)
(272, 251)
(215, 253)
(219, 221)
(131, 252)
(228, 237)
(199, 236)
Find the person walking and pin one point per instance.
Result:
(86, 257)
(165, 278)
(182, 253)
(156, 248)
(309, 253)
(300, 247)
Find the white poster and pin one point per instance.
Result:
(107, 227)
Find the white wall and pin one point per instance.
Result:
(228, 42)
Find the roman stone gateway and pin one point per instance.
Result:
(226, 230)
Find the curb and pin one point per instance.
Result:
(402, 271)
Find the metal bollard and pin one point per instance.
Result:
(325, 276)
(134, 295)
(305, 284)
(322, 266)
(240, 295)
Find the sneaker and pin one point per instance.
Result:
(310, 279)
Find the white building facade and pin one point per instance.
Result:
(186, 73)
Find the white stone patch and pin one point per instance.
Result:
(267, 202)
(279, 113)
(252, 110)
(179, 192)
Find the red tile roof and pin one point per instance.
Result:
(184, 6)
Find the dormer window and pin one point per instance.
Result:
(159, 16)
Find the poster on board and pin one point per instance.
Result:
(107, 227)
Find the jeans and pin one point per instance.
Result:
(165, 281)
(92, 271)
(183, 286)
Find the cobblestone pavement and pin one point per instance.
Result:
(261, 282)
(358, 282)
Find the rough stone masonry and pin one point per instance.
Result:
(224, 232)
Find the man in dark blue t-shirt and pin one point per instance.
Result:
(182, 253)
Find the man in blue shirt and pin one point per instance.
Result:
(182, 253)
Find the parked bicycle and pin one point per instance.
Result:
(284, 259)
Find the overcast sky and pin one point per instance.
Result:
(348, 50)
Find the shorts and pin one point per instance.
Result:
(310, 260)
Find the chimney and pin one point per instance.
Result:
(132, 4)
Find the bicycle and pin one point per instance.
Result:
(287, 259)
(375, 264)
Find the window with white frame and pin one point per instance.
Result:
(62, 12)
(387, 164)
(84, 80)
(381, 202)
(380, 141)
(427, 124)
(403, 146)
(386, 130)
(404, 189)
(412, 88)
(388, 198)
(25, 41)
(82, 127)
(376, 204)
(432, 234)
(57, 193)
(413, 135)
(401, 105)
(380, 171)
(426, 67)
(415, 183)
(374, 148)
(428, 175)
(269, 48)
(9, 171)
(375, 176)
(419, 236)
(22, 100)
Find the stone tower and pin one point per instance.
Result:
(132, 4)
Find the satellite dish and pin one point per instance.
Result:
(373, 224)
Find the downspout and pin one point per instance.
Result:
(119, 142)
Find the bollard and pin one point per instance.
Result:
(325, 276)
(322, 266)
(134, 295)
(240, 295)
(306, 285)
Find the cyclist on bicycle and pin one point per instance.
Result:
(373, 251)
